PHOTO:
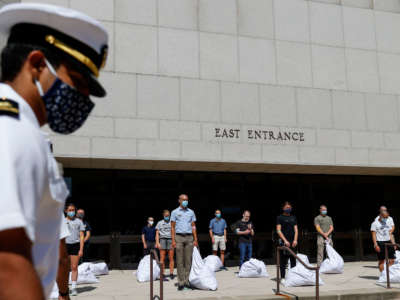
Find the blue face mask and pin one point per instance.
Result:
(67, 109)
(166, 219)
(218, 215)
(287, 210)
(185, 203)
(71, 214)
(324, 212)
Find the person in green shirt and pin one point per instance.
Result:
(324, 226)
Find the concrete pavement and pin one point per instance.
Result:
(357, 282)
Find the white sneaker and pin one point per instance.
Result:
(282, 281)
(74, 292)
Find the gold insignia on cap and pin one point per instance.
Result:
(74, 53)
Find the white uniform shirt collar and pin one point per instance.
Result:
(25, 111)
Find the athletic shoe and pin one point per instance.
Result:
(180, 287)
(172, 276)
(282, 281)
(74, 292)
(188, 287)
(224, 268)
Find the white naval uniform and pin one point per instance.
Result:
(26, 173)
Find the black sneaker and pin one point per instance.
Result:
(188, 287)
(224, 268)
(172, 276)
(180, 287)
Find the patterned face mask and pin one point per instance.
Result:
(67, 109)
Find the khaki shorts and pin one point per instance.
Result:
(219, 241)
(165, 243)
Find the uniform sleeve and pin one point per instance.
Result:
(17, 206)
(158, 225)
(294, 221)
(316, 221)
(211, 224)
(373, 227)
(144, 230)
(278, 220)
(330, 221)
(173, 216)
(88, 227)
(225, 226)
(82, 226)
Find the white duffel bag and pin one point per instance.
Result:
(143, 271)
(252, 269)
(213, 262)
(300, 275)
(333, 264)
(201, 276)
(397, 257)
(394, 274)
(85, 277)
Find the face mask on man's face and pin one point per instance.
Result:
(185, 203)
(324, 212)
(71, 214)
(80, 216)
(67, 108)
(150, 222)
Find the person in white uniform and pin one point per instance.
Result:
(49, 68)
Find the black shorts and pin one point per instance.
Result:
(381, 255)
(73, 249)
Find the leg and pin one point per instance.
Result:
(188, 257)
(223, 257)
(74, 267)
(250, 250)
(381, 264)
(292, 260)
(321, 249)
(283, 262)
(171, 261)
(242, 250)
(162, 257)
(180, 260)
(222, 248)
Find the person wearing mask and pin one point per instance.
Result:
(184, 238)
(164, 241)
(382, 232)
(217, 231)
(50, 62)
(148, 236)
(245, 230)
(74, 244)
(324, 226)
(88, 231)
(286, 227)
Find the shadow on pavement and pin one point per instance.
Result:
(85, 289)
(371, 267)
(283, 293)
(369, 277)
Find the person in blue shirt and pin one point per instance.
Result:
(148, 236)
(218, 235)
(184, 238)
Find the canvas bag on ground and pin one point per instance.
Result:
(201, 276)
(54, 292)
(397, 257)
(252, 269)
(300, 276)
(213, 262)
(333, 264)
(85, 277)
(143, 271)
(394, 274)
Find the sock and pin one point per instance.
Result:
(73, 285)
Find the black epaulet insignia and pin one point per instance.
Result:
(9, 108)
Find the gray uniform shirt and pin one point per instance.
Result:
(164, 229)
(75, 226)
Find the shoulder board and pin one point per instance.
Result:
(9, 108)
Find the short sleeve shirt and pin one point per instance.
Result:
(183, 218)
(325, 222)
(75, 227)
(382, 229)
(27, 175)
(287, 226)
(149, 233)
(217, 226)
(164, 229)
(243, 226)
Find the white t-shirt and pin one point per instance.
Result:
(25, 176)
(382, 229)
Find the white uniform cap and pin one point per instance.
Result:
(81, 36)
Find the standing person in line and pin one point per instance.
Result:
(184, 238)
(164, 241)
(382, 210)
(218, 236)
(324, 226)
(74, 244)
(382, 232)
(148, 236)
(49, 67)
(286, 227)
(245, 229)
(87, 234)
